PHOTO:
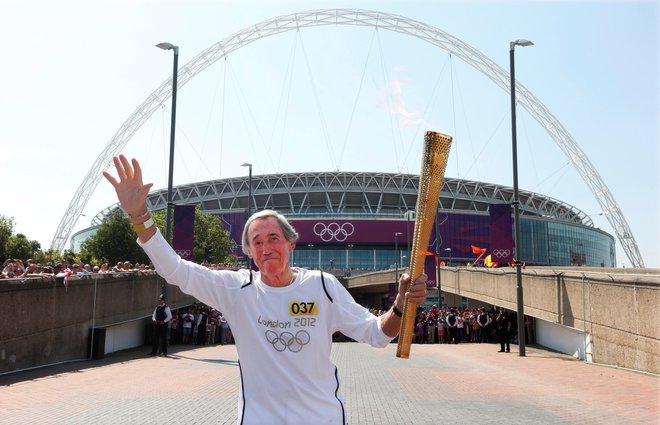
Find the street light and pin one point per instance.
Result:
(348, 256)
(168, 218)
(449, 249)
(249, 214)
(396, 257)
(437, 255)
(516, 201)
(408, 214)
(247, 164)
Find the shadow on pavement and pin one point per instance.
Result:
(77, 366)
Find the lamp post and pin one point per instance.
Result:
(175, 78)
(396, 257)
(408, 214)
(348, 256)
(516, 201)
(437, 257)
(439, 288)
(168, 219)
(449, 249)
(249, 202)
(249, 208)
(310, 246)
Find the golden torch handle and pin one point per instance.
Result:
(434, 162)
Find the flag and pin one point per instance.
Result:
(477, 250)
(488, 261)
(65, 274)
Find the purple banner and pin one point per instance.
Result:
(233, 223)
(343, 232)
(184, 231)
(429, 270)
(501, 233)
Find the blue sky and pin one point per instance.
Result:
(326, 98)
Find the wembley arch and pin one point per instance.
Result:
(356, 17)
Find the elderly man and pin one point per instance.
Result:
(283, 317)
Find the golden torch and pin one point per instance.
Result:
(434, 162)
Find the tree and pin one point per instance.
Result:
(211, 241)
(6, 230)
(115, 240)
(18, 246)
(49, 256)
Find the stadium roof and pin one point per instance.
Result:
(351, 194)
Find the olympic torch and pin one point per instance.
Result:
(434, 162)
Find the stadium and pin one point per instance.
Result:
(364, 220)
(356, 221)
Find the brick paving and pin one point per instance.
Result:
(466, 383)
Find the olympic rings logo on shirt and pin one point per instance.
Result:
(336, 231)
(501, 253)
(287, 340)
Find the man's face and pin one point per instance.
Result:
(268, 247)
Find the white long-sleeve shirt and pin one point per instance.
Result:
(283, 335)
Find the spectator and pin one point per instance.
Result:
(503, 321)
(172, 334)
(482, 321)
(202, 321)
(188, 320)
(161, 316)
(224, 330)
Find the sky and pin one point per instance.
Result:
(349, 98)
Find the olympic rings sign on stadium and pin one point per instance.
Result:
(183, 253)
(286, 340)
(501, 253)
(336, 231)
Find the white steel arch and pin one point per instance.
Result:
(357, 17)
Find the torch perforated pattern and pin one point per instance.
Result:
(434, 162)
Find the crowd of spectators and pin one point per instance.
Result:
(16, 269)
(454, 325)
(198, 325)
(202, 325)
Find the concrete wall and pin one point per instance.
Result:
(606, 316)
(45, 322)
(617, 312)
(562, 338)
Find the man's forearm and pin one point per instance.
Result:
(390, 321)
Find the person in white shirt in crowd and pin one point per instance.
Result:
(188, 321)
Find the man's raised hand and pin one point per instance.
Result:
(131, 192)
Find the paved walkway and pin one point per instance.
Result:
(449, 384)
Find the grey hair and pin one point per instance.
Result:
(289, 232)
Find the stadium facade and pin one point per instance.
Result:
(364, 221)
